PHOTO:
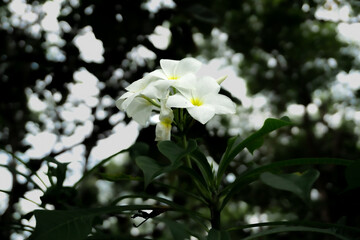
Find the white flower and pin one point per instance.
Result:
(141, 97)
(202, 100)
(140, 110)
(179, 74)
(163, 128)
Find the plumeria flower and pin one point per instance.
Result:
(163, 128)
(140, 109)
(179, 74)
(202, 100)
(141, 97)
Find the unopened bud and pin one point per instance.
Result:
(220, 80)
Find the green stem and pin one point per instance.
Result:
(215, 212)
(188, 160)
(150, 101)
(215, 218)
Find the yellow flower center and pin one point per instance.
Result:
(173, 77)
(166, 121)
(196, 101)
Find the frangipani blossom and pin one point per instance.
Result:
(140, 110)
(163, 128)
(202, 100)
(174, 85)
(147, 86)
(179, 74)
(139, 101)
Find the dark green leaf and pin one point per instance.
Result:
(73, 224)
(215, 234)
(254, 141)
(352, 175)
(203, 164)
(150, 168)
(173, 151)
(119, 177)
(199, 218)
(178, 230)
(138, 149)
(294, 229)
(252, 174)
(297, 183)
(61, 225)
(270, 125)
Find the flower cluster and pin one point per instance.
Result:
(175, 85)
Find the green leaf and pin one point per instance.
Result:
(254, 141)
(150, 167)
(299, 184)
(294, 229)
(251, 175)
(203, 164)
(73, 224)
(138, 149)
(352, 176)
(270, 125)
(119, 177)
(178, 231)
(194, 215)
(60, 225)
(173, 151)
(215, 234)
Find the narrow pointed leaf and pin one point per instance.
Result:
(299, 184)
(178, 231)
(203, 164)
(254, 141)
(295, 229)
(253, 174)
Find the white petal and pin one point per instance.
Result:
(140, 110)
(125, 100)
(163, 132)
(221, 104)
(185, 84)
(206, 85)
(160, 74)
(187, 65)
(138, 85)
(166, 113)
(157, 89)
(178, 101)
(202, 113)
(168, 66)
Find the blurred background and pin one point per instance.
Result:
(64, 63)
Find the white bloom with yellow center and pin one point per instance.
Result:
(202, 100)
